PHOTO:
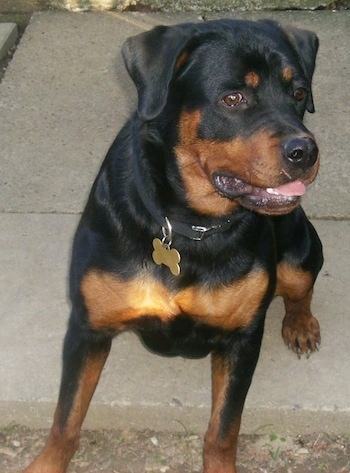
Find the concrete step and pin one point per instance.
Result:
(8, 38)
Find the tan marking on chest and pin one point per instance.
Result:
(228, 307)
(113, 303)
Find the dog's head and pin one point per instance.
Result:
(229, 97)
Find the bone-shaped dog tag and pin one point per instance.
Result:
(162, 254)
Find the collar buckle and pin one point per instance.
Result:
(203, 232)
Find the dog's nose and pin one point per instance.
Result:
(301, 151)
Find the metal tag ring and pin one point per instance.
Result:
(167, 232)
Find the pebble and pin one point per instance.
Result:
(302, 451)
(8, 452)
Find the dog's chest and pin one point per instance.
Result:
(116, 304)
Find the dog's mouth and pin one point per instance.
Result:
(271, 200)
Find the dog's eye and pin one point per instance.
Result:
(300, 94)
(233, 99)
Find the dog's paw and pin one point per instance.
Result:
(301, 334)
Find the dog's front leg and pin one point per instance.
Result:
(232, 372)
(84, 356)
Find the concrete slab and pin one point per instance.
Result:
(65, 96)
(199, 6)
(8, 37)
(140, 388)
(61, 106)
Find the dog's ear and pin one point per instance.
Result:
(151, 59)
(305, 43)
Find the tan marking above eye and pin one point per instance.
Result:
(114, 303)
(288, 74)
(252, 79)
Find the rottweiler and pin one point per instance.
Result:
(194, 222)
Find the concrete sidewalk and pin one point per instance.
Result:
(62, 101)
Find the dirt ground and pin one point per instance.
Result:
(116, 451)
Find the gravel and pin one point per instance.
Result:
(146, 451)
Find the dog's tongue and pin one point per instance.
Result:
(294, 188)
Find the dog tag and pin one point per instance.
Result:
(163, 254)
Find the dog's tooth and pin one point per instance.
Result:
(271, 190)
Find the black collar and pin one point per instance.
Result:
(193, 232)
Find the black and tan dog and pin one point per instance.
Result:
(194, 221)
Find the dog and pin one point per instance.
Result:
(194, 222)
